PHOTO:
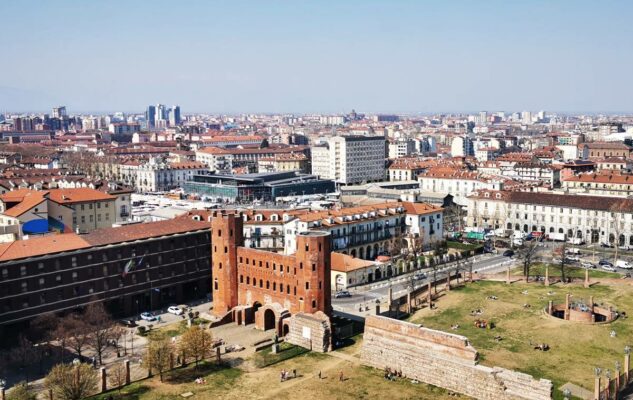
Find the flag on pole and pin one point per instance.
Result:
(128, 267)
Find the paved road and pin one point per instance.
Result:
(368, 294)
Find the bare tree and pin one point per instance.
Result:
(157, 356)
(77, 332)
(71, 382)
(23, 355)
(528, 256)
(561, 252)
(102, 329)
(196, 342)
(617, 210)
(117, 376)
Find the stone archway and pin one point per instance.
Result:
(270, 320)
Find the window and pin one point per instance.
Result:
(40, 266)
(83, 219)
(5, 273)
(23, 270)
(73, 261)
(24, 287)
(91, 218)
(74, 275)
(307, 285)
(41, 281)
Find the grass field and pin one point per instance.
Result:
(574, 348)
(248, 382)
(571, 271)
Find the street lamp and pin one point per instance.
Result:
(627, 350)
(597, 371)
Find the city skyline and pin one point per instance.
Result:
(251, 57)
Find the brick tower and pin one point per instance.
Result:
(313, 256)
(226, 237)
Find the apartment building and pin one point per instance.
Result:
(350, 159)
(130, 269)
(159, 175)
(592, 218)
(284, 162)
(458, 183)
(366, 231)
(223, 160)
(608, 183)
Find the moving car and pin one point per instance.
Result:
(148, 316)
(419, 276)
(508, 253)
(605, 262)
(175, 310)
(342, 293)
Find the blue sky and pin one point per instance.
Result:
(317, 56)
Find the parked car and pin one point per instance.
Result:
(623, 264)
(572, 259)
(419, 276)
(609, 268)
(342, 293)
(605, 262)
(607, 245)
(128, 323)
(175, 310)
(508, 253)
(587, 264)
(148, 316)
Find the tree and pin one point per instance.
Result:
(71, 382)
(196, 342)
(561, 252)
(23, 354)
(528, 256)
(158, 355)
(21, 391)
(77, 332)
(117, 376)
(101, 327)
(618, 211)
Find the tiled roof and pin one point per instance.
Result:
(28, 199)
(599, 203)
(78, 195)
(39, 246)
(345, 263)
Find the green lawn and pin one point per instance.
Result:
(462, 246)
(218, 380)
(575, 348)
(173, 330)
(266, 357)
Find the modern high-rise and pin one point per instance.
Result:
(161, 112)
(462, 146)
(174, 116)
(150, 116)
(350, 159)
(59, 112)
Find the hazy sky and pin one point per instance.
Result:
(317, 56)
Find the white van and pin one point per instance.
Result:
(623, 264)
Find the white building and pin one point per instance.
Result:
(462, 146)
(401, 148)
(350, 159)
(591, 218)
(159, 176)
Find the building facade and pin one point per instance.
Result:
(350, 159)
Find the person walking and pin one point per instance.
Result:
(341, 378)
(319, 374)
(294, 373)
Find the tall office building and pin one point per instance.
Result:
(59, 112)
(161, 112)
(350, 159)
(174, 116)
(150, 116)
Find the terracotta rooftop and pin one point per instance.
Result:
(27, 200)
(345, 263)
(599, 203)
(78, 195)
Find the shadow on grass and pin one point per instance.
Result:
(131, 392)
(190, 373)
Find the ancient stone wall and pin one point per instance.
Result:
(445, 360)
(311, 331)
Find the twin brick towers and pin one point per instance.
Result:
(262, 287)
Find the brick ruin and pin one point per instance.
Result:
(578, 311)
(445, 360)
(266, 288)
(311, 331)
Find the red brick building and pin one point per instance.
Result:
(251, 285)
